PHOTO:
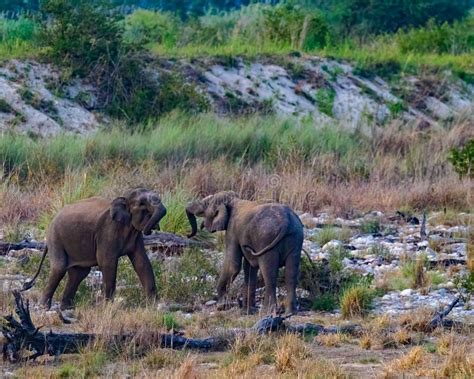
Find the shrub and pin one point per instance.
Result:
(463, 160)
(5, 107)
(325, 235)
(325, 100)
(434, 38)
(294, 26)
(356, 300)
(87, 40)
(325, 302)
(145, 26)
(370, 226)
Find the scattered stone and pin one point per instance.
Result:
(407, 292)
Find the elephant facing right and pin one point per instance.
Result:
(263, 236)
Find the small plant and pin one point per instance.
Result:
(68, 370)
(370, 226)
(396, 108)
(462, 160)
(382, 252)
(325, 302)
(356, 300)
(325, 235)
(169, 321)
(5, 107)
(325, 100)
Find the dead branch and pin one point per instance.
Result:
(439, 318)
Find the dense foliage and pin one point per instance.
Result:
(110, 45)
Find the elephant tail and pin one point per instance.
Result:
(277, 239)
(31, 283)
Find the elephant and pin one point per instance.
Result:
(97, 231)
(264, 236)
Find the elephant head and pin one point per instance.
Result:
(214, 209)
(140, 207)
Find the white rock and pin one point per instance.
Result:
(334, 244)
(406, 292)
(210, 303)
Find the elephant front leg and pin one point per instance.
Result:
(250, 284)
(109, 274)
(230, 270)
(144, 270)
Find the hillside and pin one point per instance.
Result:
(35, 101)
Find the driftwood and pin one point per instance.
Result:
(167, 243)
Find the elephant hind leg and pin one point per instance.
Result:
(250, 284)
(58, 263)
(269, 266)
(75, 275)
(292, 269)
(55, 276)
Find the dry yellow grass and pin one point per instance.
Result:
(401, 337)
(366, 341)
(329, 340)
(416, 320)
(459, 362)
(407, 362)
(289, 352)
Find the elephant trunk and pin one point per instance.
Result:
(158, 214)
(192, 222)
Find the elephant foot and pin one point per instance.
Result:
(67, 317)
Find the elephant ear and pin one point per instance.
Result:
(221, 218)
(119, 211)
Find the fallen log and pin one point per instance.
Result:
(167, 243)
(5, 247)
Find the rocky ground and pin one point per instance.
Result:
(376, 245)
(37, 98)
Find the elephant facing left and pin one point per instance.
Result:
(97, 232)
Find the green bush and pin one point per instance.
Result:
(463, 160)
(325, 100)
(145, 26)
(438, 39)
(82, 37)
(326, 302)
(370, 226)
(294, 26)
(88, 42)
(362, 17)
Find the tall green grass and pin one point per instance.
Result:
(17, 38)
(178, 137)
